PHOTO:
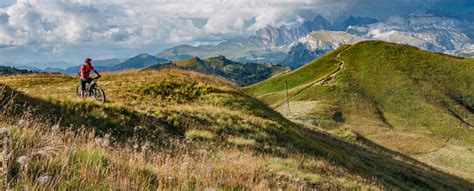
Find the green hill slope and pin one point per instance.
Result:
(415, 102)
(242, 74)
(311, 72)
(173, 129)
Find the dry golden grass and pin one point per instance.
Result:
(43, 159)
(116, 85)
(51, 150)
(181, 130)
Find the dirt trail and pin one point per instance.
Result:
(323, 81)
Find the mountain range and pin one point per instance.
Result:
(295, 45)
(137, 62)
(444, 34)
(269, 44)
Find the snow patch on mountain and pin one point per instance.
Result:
(328, 40)
(444, 34)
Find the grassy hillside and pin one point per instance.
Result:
(242, 74)
(6, 70)
(183, 130)
(194, 63)
(311, 72)
(415, 102)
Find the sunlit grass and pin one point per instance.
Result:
(170, 129)
(406, 99)
(156, 135)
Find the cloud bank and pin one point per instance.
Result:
(132, 22)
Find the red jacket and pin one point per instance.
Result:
(86, 71)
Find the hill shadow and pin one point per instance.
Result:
(394, 169)
(120, 123)
(390, 167)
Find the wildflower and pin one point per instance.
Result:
(98, 141)
(55, 128)
(3, 130)
(145, 146)
(209, 189)
(202, 152)
(22, 160)
(44, 179)
(21, 122)
(105, 141)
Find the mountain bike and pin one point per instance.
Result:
(92, 89)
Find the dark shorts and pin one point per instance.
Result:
(84, 82)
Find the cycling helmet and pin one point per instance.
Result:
(88, 60)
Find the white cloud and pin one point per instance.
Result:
(59, 26)
(49, 22)
(132, 22)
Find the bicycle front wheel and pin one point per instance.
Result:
(99, 94)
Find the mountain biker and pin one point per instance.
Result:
(84, 74)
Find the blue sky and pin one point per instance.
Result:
(5, 3)
(69, 30)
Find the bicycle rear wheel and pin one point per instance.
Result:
(99, 94)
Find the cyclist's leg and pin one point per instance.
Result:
(91, 88)
(83, 88)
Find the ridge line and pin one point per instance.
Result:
(324, 79)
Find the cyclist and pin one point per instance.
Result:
(84, 74)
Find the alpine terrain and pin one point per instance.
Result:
(295, 45)
(410, 101)
(237, 95)
(181, 129)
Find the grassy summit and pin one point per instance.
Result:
(173, 129)
(240, 73)
(311, 72)
(412, 101)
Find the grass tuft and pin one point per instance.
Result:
(199, 135)
(241, 141)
